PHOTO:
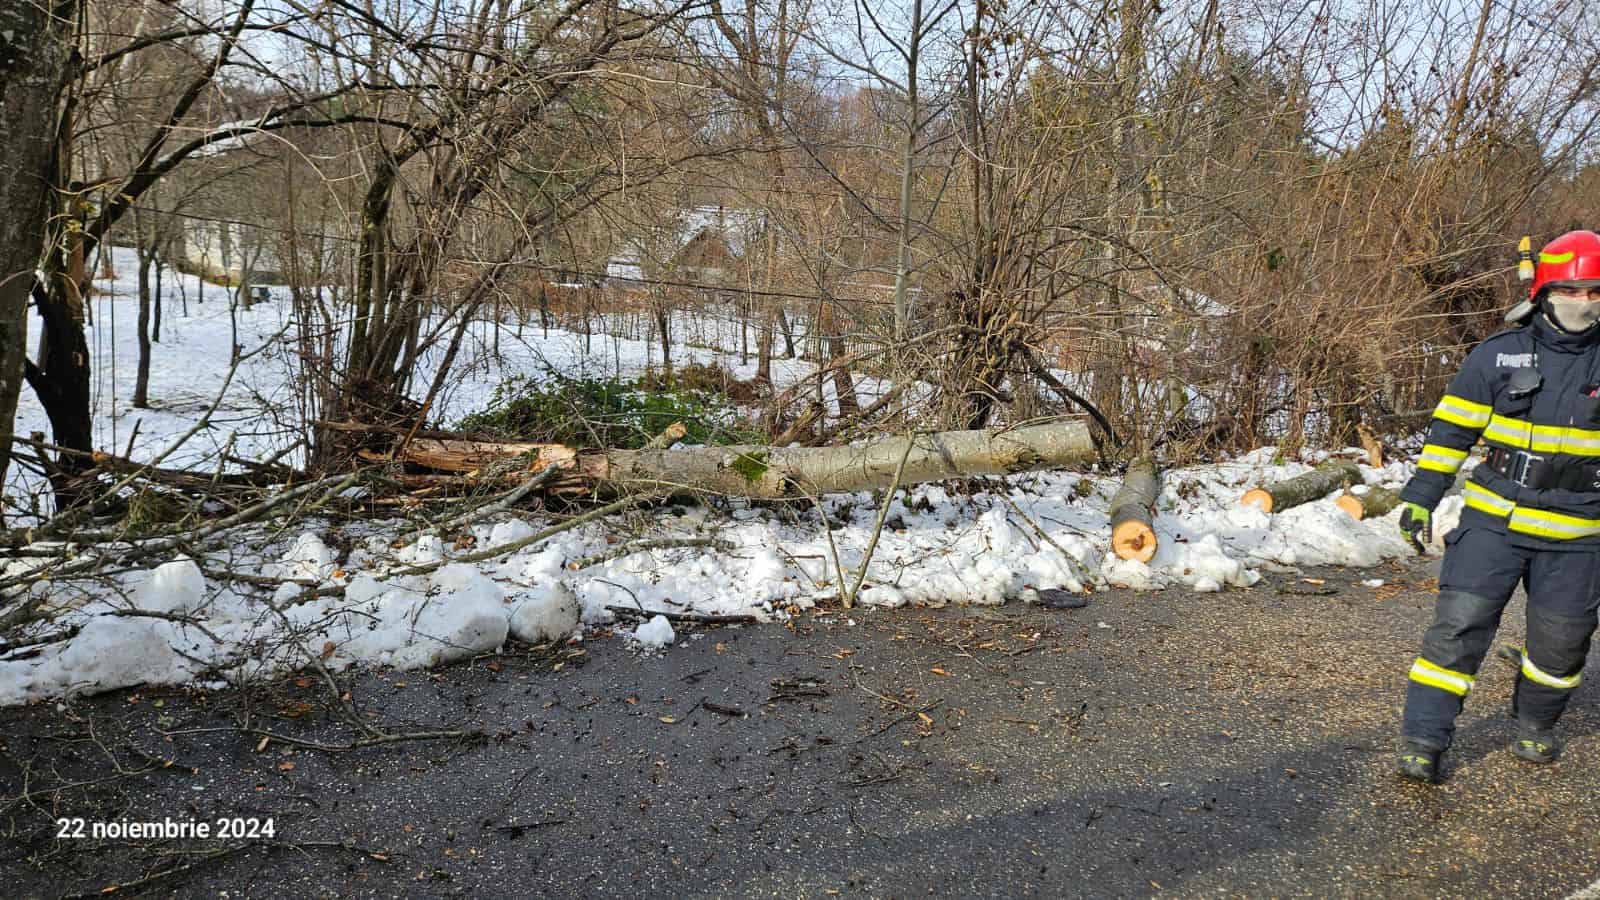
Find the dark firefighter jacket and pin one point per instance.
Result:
(1546, 443)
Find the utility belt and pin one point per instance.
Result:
(1540, 473)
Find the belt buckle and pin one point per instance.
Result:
(1521, 463)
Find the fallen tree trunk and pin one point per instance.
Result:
(768, 472)
(1133, 535)
(1319, 482)
(1369, 504)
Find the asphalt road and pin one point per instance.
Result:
(1162, 744)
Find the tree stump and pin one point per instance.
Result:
(1369, 504)
(1133, 535)
(1319, 482)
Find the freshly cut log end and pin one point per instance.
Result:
(1374, 503)
(1351, 505)
(1133, 534)
(1134, 540)
(1257, 497)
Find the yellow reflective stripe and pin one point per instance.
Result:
(1547, 438)
(1581, 442)
(1458, 683)
(1482, 499)
(1463, 412)
(1443, 684)
(1542, 523)
(1527, 520)
(1435, 668)
(1513, 432)
(1534, 673)
(1551, 435)
(1555, 259)
(1441, 459)
(1519, 434)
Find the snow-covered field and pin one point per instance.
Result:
(938, 546)
(192, 361)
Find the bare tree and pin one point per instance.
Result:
(36, 47)
(76, 226)
(510, 78)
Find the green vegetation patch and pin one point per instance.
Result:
(751, 466)
(607, 412)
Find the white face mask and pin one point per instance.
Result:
(1575, 315)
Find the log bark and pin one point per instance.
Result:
(1319, 482)
(1133, 534)
(1370, 504)
(771, 472)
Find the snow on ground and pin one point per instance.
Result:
(192, 361)
(939, 546)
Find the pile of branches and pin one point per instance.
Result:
(126, 513)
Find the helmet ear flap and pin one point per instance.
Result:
(1520, 312)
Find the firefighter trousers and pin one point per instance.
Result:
(1481, 571)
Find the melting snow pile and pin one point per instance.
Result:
(343, 609)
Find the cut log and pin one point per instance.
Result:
(1369, 504)
(771, 472)
(1133, 511)
(1319, 482)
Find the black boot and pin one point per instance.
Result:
(1536, 745)
(1419, 763)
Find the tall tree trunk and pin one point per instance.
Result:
(61, 380)
(1115, 369)
(744, 311)
(788, 334)
(664, 325)
(588, 326)
(141, 384)
(764, 348)
(35, 40)
(155, 318)
(908, 168)
(60, 377)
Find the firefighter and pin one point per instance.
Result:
(1531, 393)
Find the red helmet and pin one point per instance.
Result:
(1575, 256)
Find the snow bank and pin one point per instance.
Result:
(1048, 530)
(547, 615)
(656, 633)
